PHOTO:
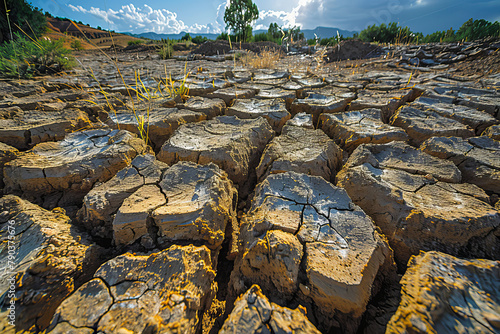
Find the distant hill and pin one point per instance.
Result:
(326, 32)
(321, 32)
(74, 29)
(153, 35)
(70, 31)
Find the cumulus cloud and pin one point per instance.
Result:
(140, 19)
(219, 19)
(282, 18)
(351, 15)
(420, 15)
(286, 19)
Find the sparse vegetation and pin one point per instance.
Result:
(186, 37)
(441, 36)
(393, 33)
(199, 39)
(136, 42)
(172, 89)
(469, 31)
(76, 45)
(266, 59)
(224, 36)
(294, 34)
(262, 37)
(274, 34)
(167, 49)
(23, 58)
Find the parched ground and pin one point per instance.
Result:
(353, 196)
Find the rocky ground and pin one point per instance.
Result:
(358, 196)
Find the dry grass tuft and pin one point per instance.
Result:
(266, 59)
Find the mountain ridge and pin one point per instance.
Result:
(321, 32)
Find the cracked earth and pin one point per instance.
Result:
(356, 196)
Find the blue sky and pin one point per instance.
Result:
(202, 16)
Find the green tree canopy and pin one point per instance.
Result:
(274, 30)
(199, 39)
(239, 16)
(478, 29)
(20, 14)
(186, 37)
(393, 33)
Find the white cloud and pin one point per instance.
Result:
(219, 19)
(147, 19)
(291, 18)
(283, 19)
(351, 15)
(421, 15)
(77, 8)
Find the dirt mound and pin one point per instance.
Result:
(483, 65)
(353, 49)
(212, 48)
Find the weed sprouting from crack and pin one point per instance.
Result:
(266, 59)
(142, 94)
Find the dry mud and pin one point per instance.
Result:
(356, 197)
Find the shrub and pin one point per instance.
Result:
(441, 36)
(223, 36)
(76, 45)
(186, 37)
(478, 29)
(166, 50)
(199, 39)
(25, 58)
(136, 42)
(391, 33)
(262, 37)
(325, 41)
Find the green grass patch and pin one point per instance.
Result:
(166, 50)
(24, 58)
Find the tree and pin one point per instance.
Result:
(186, 37)
(20, 15)
(199, 39)
(295, 33)
(274, 30)
(478, 29)
(391, 33)
(239, 16)
(222, 37)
